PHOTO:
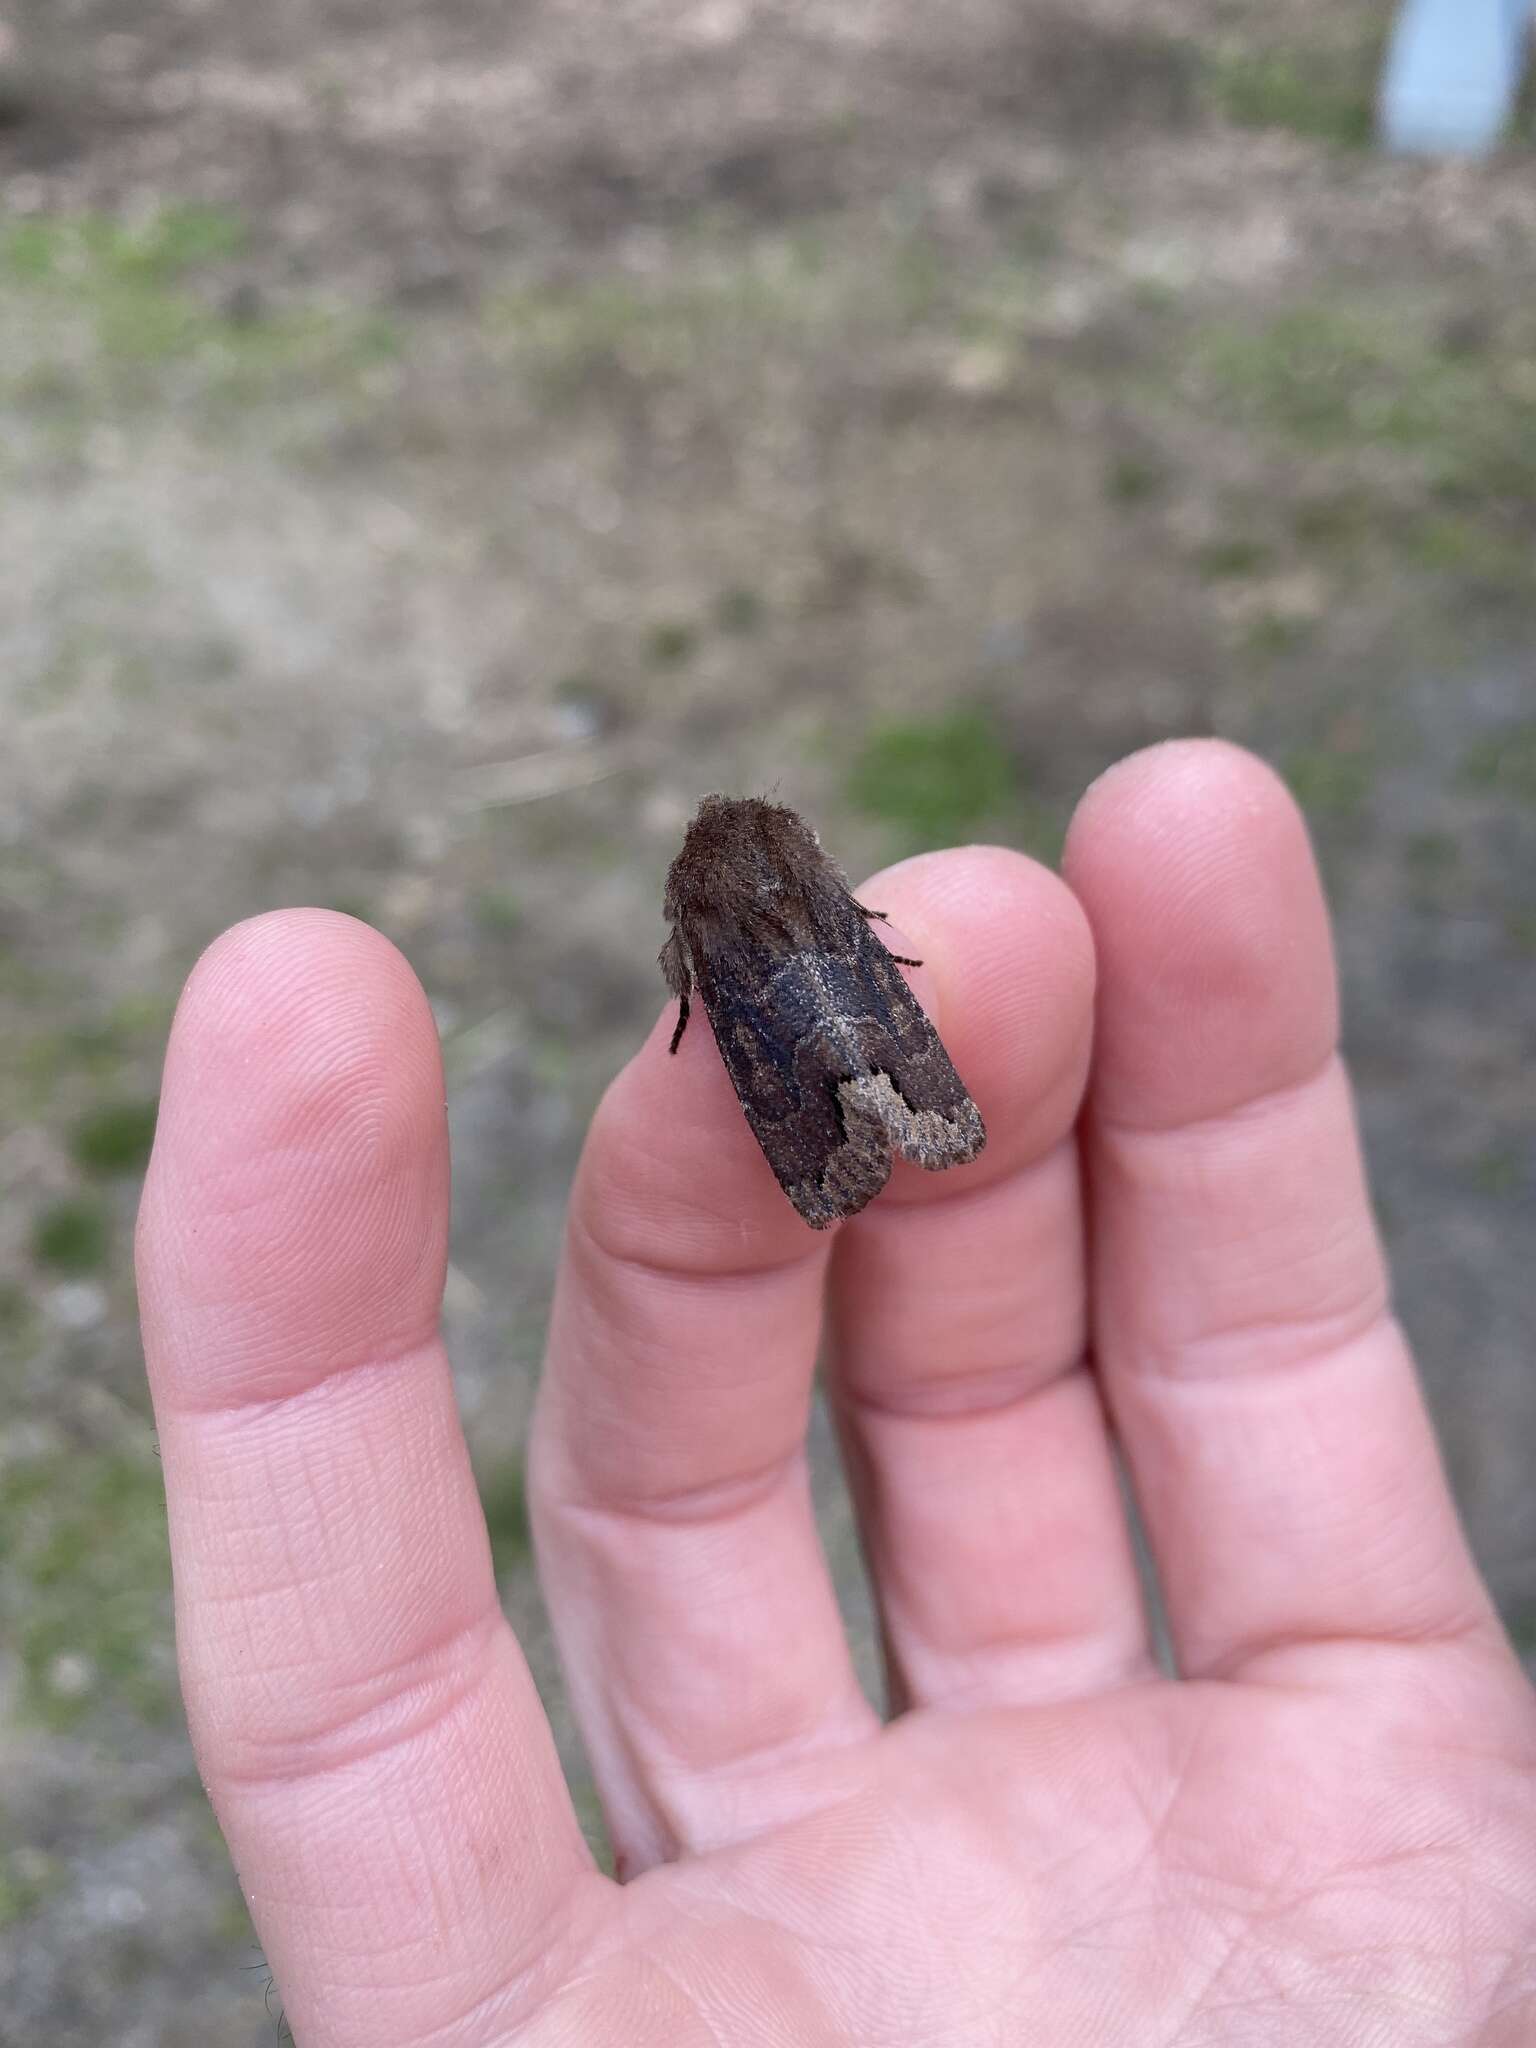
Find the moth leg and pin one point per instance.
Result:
(673, 961)
(682, 1023)
(901, 959)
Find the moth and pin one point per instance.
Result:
(834, 1062)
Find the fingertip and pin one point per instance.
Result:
(969, 907)
(246, 978)
(294, 1026)
(1194, 866)
(1010, 970)
(1173, 789)
(300, 1167)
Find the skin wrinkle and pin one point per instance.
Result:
(1244, 1664)
(990, 1392)
(1267, 1918)
(714, 1503)
(878, 1253)
(327, 1494)
(625, 1713)
(1255, 1107)
(1243, 1363)
(513, 1981)
(1091, 1681)
(656, 1358)
(1341, 1267)
(1245, 1921)
(503, 2001)
(353, 1737)
(750, 1782)
(405, 1347)
(612, 1465)
(588, 1240)
(676, 1285)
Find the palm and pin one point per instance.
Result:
(1230, 1865)
(1323, 1832)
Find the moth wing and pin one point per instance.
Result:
(768, 1013)
(909, 1082)
(836, 1066)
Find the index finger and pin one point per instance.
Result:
(363, 1719)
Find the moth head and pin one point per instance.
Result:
(739, 854)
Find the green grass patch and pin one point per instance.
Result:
(102, 312)
(652, 328)
(1325, 94)
(1503, 763)
(1450, 433)
(1134, 480)
(126, 277)
(739, 611)
(499, 912)
(72, 1236)
(504, 1501)
(1347, 377)
(1498, 1171)
(670, 643)
(1327, 374)
(1432, 856)
(1339, 523)
(85, 1586)
(1329, 782)
(1232, 560)
(1472, 549)
(726, 299)
(17, 1314)
(115, 1137)
(28, 1876)
(935, 780)
(1273, 635)
(158, 248)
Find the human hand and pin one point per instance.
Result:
(1323, 1833)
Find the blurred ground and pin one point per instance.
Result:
(439, 443)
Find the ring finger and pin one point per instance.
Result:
(988, 1496)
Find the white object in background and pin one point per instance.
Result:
(1452, 75)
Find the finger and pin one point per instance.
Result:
(363, 1719)
(701, 1639)
(1267, 1402)
(991, 1513)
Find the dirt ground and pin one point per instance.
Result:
(437, 443)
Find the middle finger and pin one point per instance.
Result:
(700, 1635)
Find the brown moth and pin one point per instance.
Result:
(834, 1062)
